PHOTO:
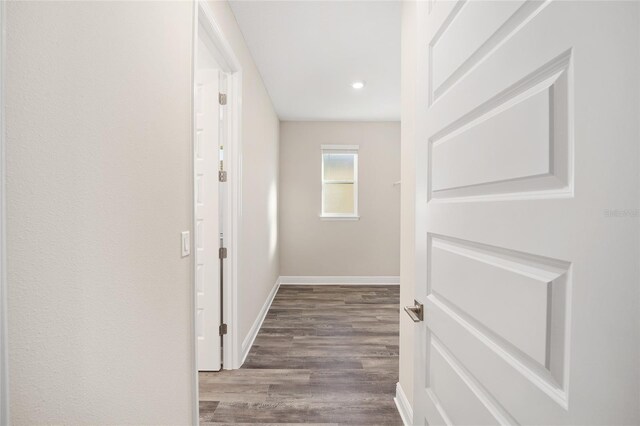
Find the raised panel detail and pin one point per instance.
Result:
(516, 144)
(505, 295)
(462, 399)
(473, 25)
(512, 144)
(469, 34)
(504, 375)
(516, 300)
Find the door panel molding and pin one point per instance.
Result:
(532, 171)
(526, 141)
(468, 387)
(517, 300)
(497, 30)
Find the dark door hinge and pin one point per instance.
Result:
(222, 98)
(222, 253)
(223, 329)
(222, 176)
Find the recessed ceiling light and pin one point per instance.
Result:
(357, 85)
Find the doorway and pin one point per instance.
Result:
(208, 165)
(216, 182)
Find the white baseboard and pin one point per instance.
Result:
(404, 408)
(345, 280)
(247, 343)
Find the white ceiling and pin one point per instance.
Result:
(309, 53)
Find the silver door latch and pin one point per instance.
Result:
(416, 312)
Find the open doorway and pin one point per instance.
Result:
(216, 183)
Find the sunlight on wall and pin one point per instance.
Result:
(273, 219)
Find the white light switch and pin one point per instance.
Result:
(186, 244)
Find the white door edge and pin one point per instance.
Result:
(403, 405)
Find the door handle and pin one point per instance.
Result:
(416, 312)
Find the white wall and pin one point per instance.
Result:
(259, 248)
(408, 166)
(314, 247)
(98, 109)
(99, 187)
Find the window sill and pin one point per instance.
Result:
(339, 217)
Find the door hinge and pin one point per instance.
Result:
(222, 176)
(223, 329)
(222, 98)
(222, 253)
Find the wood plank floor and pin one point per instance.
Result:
(324, 355)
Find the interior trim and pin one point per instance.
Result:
(343, 280)
(257, 324)
(404, 407)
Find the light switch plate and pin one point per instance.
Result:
(186, 244)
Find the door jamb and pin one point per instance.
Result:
(204, 19)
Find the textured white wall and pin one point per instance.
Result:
(98, 108)
(407, 202)
(312, 247)
(259, 249)
(99, 189)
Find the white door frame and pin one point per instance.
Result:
(4, 353)
(204, 20)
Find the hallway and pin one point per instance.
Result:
(325, 354)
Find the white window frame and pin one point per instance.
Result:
(340, 149)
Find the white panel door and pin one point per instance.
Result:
(527, 213)
(207, 226)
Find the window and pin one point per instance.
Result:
(340, 181)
